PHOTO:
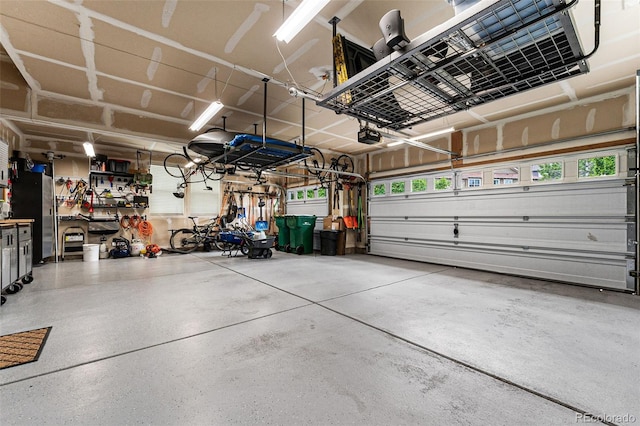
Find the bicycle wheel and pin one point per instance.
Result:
(174, 165)
(221, 245)
(184, 240)
(344, 163)
(211, 171)
(316, 161)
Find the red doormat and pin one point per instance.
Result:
(22, 348)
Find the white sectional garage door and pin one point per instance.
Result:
(579, 232)
(311, 201)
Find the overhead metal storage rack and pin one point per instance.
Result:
(246, 151)
(494, 49)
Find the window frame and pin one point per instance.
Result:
(384, 185)
(404, 187)
(162, 198)
(449, 177)
(426, 185)
(549, 161)
(504, 183)
(616, 159)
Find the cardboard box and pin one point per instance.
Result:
(334, 223)
(341, 243)
(326, 222)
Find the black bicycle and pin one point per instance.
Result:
(340, 167)
(189, 170)
(185, 240)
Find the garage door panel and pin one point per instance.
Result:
(576, 232)
(593, 271)
(605, 199)
(590, 237)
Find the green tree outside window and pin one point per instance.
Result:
(418, 185)
(550, 171)
(379, 189)
(597, 166)
(397, 187)
(442, 183)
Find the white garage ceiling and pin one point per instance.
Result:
(136, 73)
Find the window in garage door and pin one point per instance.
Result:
(443, 183)
(397, 187)
(597, 166)
(379, 189)
(507, 176)
(546, 172)
(471, 179)
(419, 185)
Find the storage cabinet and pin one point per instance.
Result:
(32, 198)
(25, 253)
(9, 258)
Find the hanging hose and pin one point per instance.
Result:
(125, 222)
(134, 221)
(145, 229)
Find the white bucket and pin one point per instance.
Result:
(136, 247)
(90, 252)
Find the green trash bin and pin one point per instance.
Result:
(301, 229)
(284, 234)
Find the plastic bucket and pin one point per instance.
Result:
(90, 252)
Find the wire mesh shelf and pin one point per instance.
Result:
(508, 47)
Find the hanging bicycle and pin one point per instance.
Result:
(192, 170)
(340, 168)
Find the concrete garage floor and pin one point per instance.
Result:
(206, 339)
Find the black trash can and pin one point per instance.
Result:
(329, 242)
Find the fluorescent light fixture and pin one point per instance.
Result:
(432, 134)
(428, 147)
(192, 163)
(414, 141)
(88, 149)
(300, 17)
(208, 113)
